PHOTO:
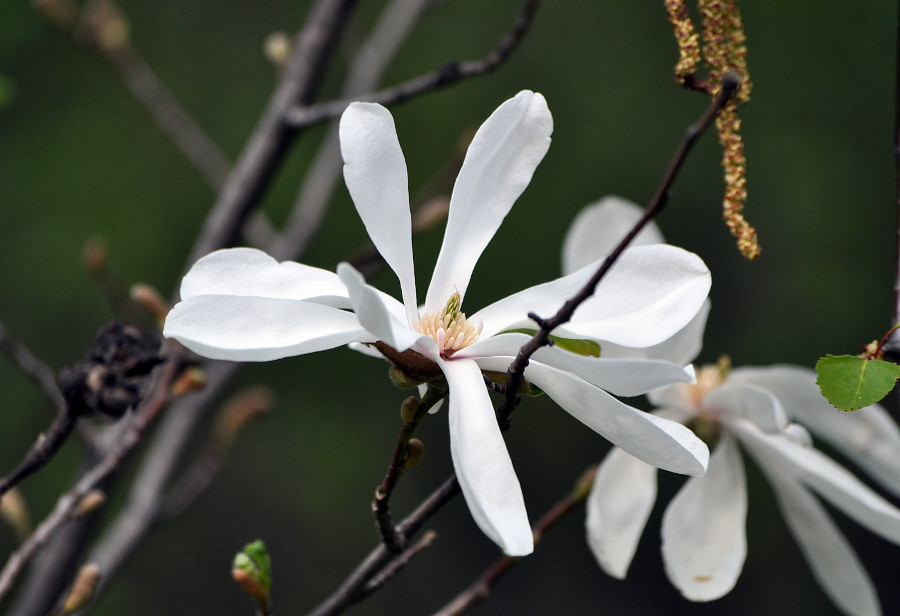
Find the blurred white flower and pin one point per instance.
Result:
(704, 527)
(242, 305)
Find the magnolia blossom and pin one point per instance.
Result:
(242, 305)
(703, 530)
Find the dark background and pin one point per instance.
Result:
(79, 158)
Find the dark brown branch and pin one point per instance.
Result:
(412, 411)
(892, 348)
(265, 150)
(398, 564)
(42, 452)
(516, 372)
(353, 589)
(481, 588)
(450, 74)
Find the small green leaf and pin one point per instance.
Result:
(252, 569)
(851, 383)
(588, 348)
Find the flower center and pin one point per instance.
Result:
(709, 377)
(449, 327)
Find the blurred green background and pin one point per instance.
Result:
(79, 158)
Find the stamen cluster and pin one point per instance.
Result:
(449, 327)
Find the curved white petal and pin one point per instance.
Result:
(482, 463)
(748, 402)
(375, 173)
(682, 348)
(830, 556)
(655, 440)
(704, 541)
(829, 479)
(649, 295)
(869, 437)
(622, 377)
(599, 227)
(374, 311)
(618, 506)
(240, 328)
(247, 271)
(498, 166)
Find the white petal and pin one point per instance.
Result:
(374, 311)
(681, 349)
(259, 329)
(829, 479)
(599, 227)
(748, 402)
(375, 173)
(869, 437)
(618, 506)
(622, 377)
(655, 440)
(829, 554)
(482, 463)
(649, 295)
(499, 164)
(247, 271)
(704, 528)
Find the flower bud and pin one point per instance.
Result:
(409, 409)
(415, 451)
(252, 569)
(82, 589)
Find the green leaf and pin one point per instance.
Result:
(850, 382)
(252, 569)
(588, 348)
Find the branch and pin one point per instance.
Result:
(892, 348)
(363, 75)
(267, 146)
(516, 372)
(450, 74)
(412, 411)
(355, 588)
(33, 368)
(481, 588)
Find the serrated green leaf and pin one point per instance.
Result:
(849, 382)
(588, 348)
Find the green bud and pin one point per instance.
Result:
(252, 569)
(415, 451)
(409, 409)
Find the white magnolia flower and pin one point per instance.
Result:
(703, 531)
(242, 305)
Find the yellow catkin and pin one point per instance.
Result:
(686, 37)
(723, 48)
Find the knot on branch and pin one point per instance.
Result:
(114, 374)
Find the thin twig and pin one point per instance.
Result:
(43, 451)
(516, 372)
(353, 589)
(892, 348)
(363, 75)
(412, 411)
(448, 75)
(269, 143)
(479, 590)
(33, 368)
(398, 564)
